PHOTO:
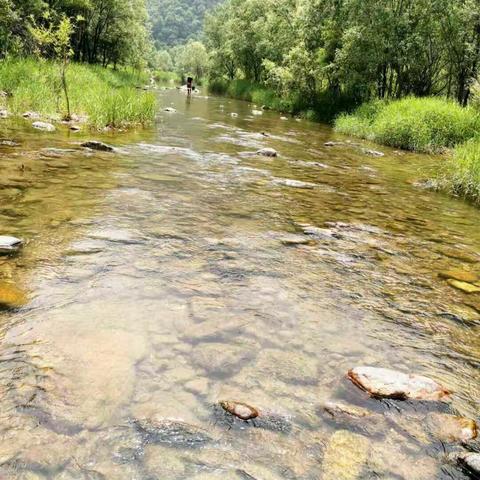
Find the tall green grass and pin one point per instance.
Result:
(418, 124)
(461, 175)
(106, 97)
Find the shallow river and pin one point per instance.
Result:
(182, 270)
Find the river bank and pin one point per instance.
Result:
(99, 97)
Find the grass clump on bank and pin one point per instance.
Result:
(461, 175)
(419, 124)
(104, 96)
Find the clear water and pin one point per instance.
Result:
(159, 283)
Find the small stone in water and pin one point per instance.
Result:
(450, 428)
(10, 244)
(46, 127)
(240, 410)
(257, 112)
(332, 144)
(3, 114)
(373, 153)
(170, 110)
(385, 383)
(335, 409)
(100, 146)
(463, 286)
(234, 115)
(31, 115)
(267, 152)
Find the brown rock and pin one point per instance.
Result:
(240, 410)
(11, 296)
(460, 275)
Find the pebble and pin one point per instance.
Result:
(240, 410)
(385, 383)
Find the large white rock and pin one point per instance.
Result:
(471, 461)
(10, 244)
(385, 383)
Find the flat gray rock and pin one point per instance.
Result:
(44, 126)
(10, 244)
(385, 383)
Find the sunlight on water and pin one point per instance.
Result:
(182, 270)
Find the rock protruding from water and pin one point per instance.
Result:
(257, 112)
(451, 428)
(345, 456)
(33, 115)
(173, 433)
(3, 113)
(470, 461)
(44, 126)
(99, 146)
(385, 383)
(10, 244)
(170, 110)
(372, 153)
(267, 152)
(240, 410)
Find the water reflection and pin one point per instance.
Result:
(167, 277)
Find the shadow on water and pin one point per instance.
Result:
(183, 270)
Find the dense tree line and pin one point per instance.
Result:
(364, 48)
(175, 22)
(104, 31)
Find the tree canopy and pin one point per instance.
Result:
(366, 48)
(175, 22)
(104, 31)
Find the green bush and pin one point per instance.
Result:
(105, 96)
(418, 124)
(461, 175)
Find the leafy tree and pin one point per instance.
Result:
(192, 60)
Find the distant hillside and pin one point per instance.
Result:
(176, 21)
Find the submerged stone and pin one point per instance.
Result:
(11, 296)
(345, 456)
(173, 432)
(240, 410)
(45, 126)
(385, 383)
(100, 146)
(460, 275)
(450, 428)
(10, 244)
(267, 152)
(339, 409)
(463, 286)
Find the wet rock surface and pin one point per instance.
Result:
(385, 383)
(11, 296)
(267, 152)
(99, 146)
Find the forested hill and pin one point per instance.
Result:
(176, 21)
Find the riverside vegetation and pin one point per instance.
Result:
(401, 73)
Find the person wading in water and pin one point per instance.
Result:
(189, 85)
